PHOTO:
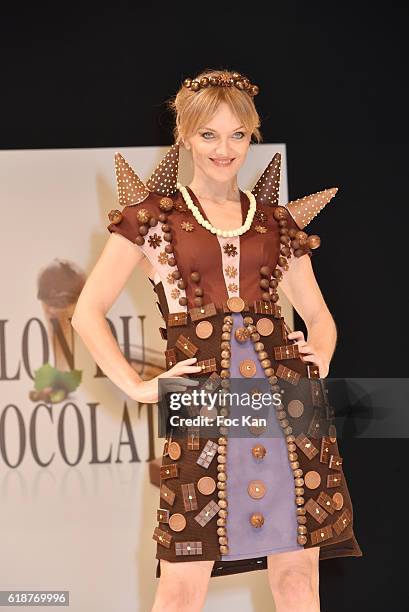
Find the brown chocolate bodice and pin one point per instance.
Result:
(219, 264)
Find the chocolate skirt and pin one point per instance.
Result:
(283, 487)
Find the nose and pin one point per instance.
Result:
(223, 148)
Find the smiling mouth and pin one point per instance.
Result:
(222, 162)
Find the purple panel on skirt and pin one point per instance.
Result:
(279, 531)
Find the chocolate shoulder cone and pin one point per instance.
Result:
(305, 209)
(131, 190)
(164, 178)
(267, 188)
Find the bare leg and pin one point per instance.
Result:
(294, 580)
(182, 586)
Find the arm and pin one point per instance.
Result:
(103, 286)
(301, 288)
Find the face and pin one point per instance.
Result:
(220, 146)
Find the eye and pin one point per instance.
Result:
(205, 133)
(241, 135)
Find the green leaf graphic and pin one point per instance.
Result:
(45, 376)
(48, 376)
(69, 380)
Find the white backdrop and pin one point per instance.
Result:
(76, 525)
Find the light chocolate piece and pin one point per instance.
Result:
(207, 513)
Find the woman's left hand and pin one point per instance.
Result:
(309, 354)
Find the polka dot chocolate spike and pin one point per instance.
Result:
(267, 188)
(131, 189)
(308, 207)
(164, 178)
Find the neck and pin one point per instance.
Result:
(218, 191)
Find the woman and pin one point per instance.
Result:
(275, 497)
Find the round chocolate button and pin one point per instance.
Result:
(257, 519)
(206, 485)
(338, 499)
(312, 479)
(166, 204)
(256, 489)
(174, 450)
(247, 368)
(204, 329)
(295, 408)
(177, 522)
(258, 451)
(241, 334)
(265, 326)
(235, 304)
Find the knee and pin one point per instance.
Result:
(176, 596)
(295, 585)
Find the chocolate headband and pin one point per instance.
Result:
(223, 80)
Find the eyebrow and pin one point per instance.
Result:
(212, 130)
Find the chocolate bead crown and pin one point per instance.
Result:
(233, 79)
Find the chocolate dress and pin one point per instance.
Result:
(280, 486)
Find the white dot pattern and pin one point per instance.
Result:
(267, 188)
(131, 190)
(164, 178)
(305, 209)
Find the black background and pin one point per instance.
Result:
(332, 81)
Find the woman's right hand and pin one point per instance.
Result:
(146, 391)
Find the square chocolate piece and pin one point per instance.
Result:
(207, 454)
(316, 510)
(193, 438)
(287, 374)
(187, 347)
(189, 496)
(167, 494)
(188, 548)
(209, 511)
(170, 470)
(316, 393)
(325, 452)
(306, 446)
(177, 318)
(171, 359)
(326, 502)
(321, 534)
(286, 351)
(335, 462)
(162, 537)
(266, 307)
(162, 515)
(342, 522)
(207, 365)
(313, 371)
(203, 312)
(334, 480)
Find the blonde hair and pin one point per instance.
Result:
(193, 108)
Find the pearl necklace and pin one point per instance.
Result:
(207, 225)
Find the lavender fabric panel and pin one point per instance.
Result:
(279, 531)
